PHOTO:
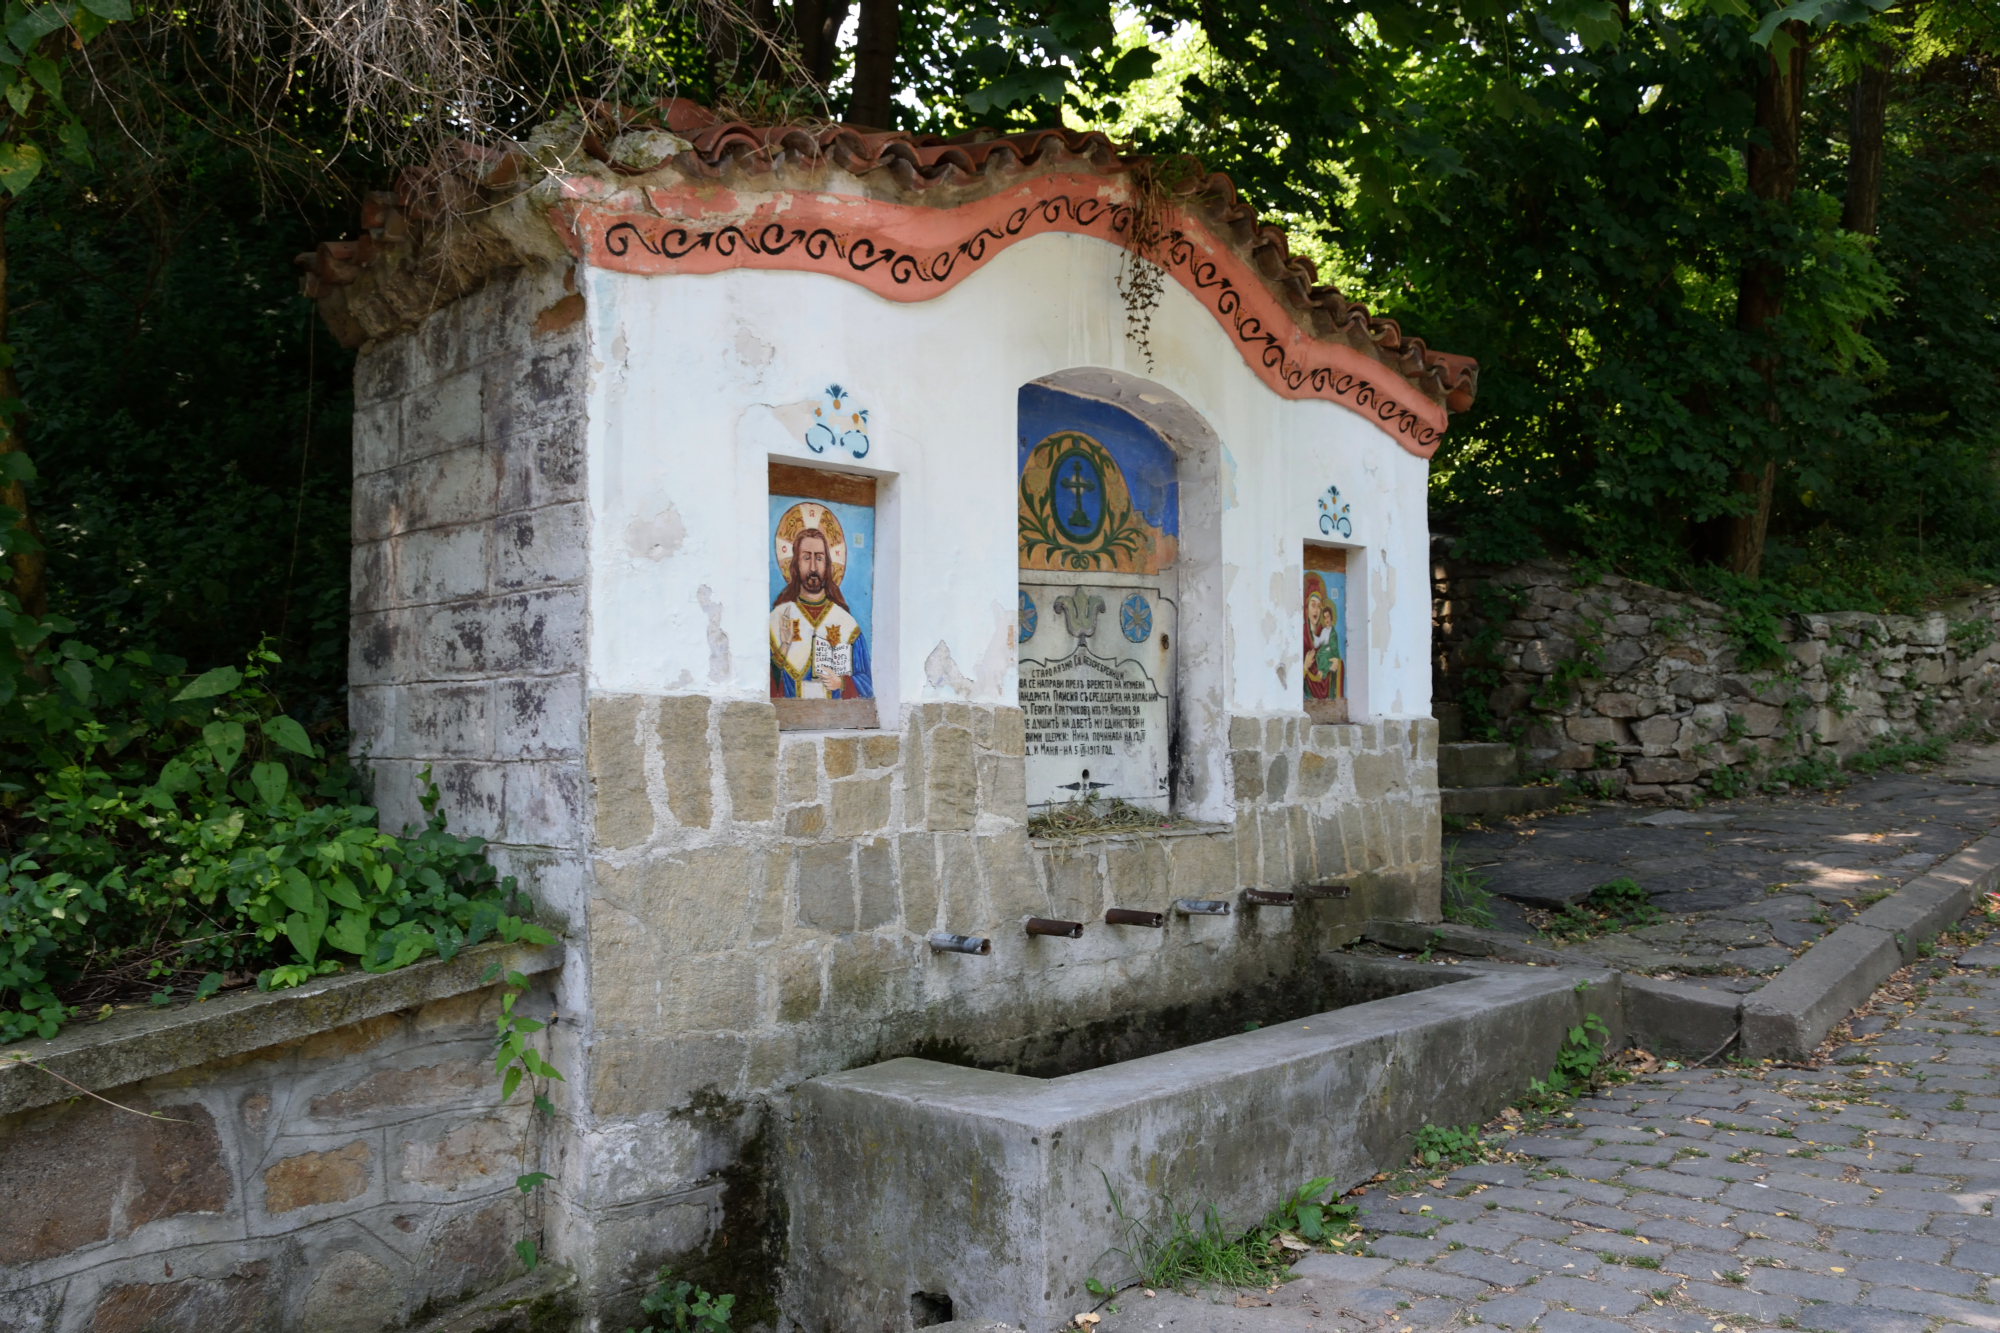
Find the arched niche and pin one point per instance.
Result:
(1120, 645)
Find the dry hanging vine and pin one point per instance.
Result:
(1141, 277)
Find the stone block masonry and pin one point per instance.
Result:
(1642, 691)
(349, 1180)
(467, 610)
(760, 902)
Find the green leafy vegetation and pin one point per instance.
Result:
(1443, 1144)
(1193, 1248)
(681, 1307)
(1580, 1062)
(1618, 905)
(175, 833)
(1825, 770)
(1310, 1215)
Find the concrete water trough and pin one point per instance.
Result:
(917, 1188)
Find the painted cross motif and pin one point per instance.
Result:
(1078, 485)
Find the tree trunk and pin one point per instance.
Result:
(763, 60)
(870, 105)
(1867, 113)
(29, 566)
(819, 36)
(1773, 165)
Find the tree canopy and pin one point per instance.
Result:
(1731, 269)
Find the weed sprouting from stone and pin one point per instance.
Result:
(1466, 901)
(1579, 1064)
(686, 1307)
(1618, 905)
(1194, 1248)
(1442, 1143)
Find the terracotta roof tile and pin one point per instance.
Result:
(922, 160)
(908, 169)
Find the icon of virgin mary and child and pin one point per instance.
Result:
(819, 650)
(1324, 669)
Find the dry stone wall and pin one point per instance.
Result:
(1640, 691)
(345, 1182)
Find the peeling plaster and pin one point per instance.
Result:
(1280, 595)
(718, 640)
(753, 351)
(943, 674)
(948, 466)
(795, 419)
(1000, 654)
(656, 538)
(1382, 602)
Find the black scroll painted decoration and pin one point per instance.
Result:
(862, 254)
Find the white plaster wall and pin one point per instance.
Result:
(687, 372)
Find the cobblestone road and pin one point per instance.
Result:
(1852, 1198)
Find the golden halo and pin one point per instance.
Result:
(810, 514)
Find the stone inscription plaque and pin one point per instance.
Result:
(1094, 673)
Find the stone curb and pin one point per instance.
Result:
(1679, 1021)
(1472, 941)
(1791, 1016)
(142, 1043)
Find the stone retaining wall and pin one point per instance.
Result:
(343, 1182)
(1639, 691)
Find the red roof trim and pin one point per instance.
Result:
(915, 252)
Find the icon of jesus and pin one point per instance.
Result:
(818, 649)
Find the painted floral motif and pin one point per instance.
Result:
(1030, 617)
(1135, 618)
(1080, 611)
(1333, 514)
(838, 424)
